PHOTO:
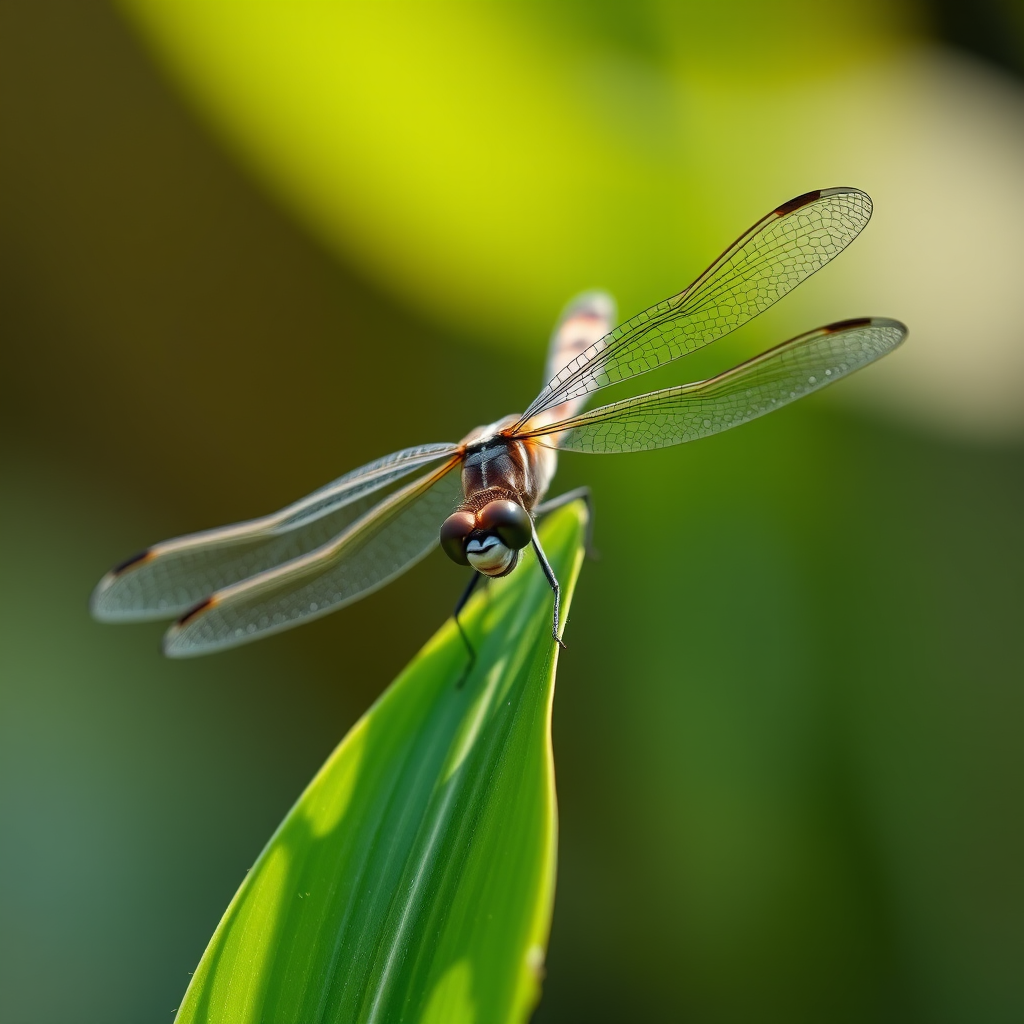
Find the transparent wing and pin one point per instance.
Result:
(779, 376)
(771, 259)
(171, 577)
(381, 545)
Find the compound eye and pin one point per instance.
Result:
(509, 520)
(455, 531)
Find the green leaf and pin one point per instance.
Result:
(414, 878)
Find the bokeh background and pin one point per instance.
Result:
(246, 247)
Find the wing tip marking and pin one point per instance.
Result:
(171, 643)
(122, 567)
(98, 607)
(797, 203)
(193, 612)
(865, 321)
(849, 325)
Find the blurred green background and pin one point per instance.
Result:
(248, 247)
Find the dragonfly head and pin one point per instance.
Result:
(489, 540)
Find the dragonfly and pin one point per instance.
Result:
(480, 498)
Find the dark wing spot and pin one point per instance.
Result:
(142, 556)
(201, 607)
(848, 325)
(799, 203)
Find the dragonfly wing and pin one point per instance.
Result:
(771, 259)
(777, 377)
(375, 549)
(175, 575)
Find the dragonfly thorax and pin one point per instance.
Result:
(505, 463)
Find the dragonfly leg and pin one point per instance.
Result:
(553, 580)
(584, 494)
(466, 594)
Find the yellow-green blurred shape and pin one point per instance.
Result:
(484, 161)
(491, 159)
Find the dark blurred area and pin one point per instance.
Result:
(787, 728)
(990, 29)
